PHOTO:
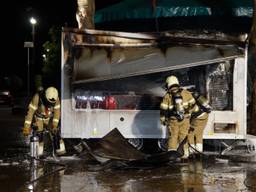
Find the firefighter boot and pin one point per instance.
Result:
(62, 149)
(199, 147)
(186, 153)
(192, 149)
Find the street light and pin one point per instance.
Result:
(30, 44)
(33, 22)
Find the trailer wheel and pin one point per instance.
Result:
(136, 142)
(162, 144)
(251, 144)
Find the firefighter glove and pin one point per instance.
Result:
(208, 110)
(26, 131)
(180, 116)
(54, 130)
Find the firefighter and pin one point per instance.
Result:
(43, 113)
(198, 121)
(175, 110)
(85, 14)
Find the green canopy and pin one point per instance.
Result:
(143, 9)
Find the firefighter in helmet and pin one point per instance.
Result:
(43, 113)
(175, 110)
(198, 121)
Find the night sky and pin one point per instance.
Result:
(16, 27)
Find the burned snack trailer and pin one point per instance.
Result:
(116, 80)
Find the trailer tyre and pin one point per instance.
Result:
(136, 142)
(162, 144)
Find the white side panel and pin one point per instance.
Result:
(240, 94)
(238, 115)
(139, 124)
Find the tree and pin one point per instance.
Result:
(51, 69)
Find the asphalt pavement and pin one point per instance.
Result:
(80, 174)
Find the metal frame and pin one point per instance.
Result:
(143, 124)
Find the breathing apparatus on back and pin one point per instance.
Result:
(173, 86)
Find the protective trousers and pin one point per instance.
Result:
(178, 130)
(198, 124)
(195, 138)
(40, 124)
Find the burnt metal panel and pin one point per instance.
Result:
(101, 55)
(98, 65)
(114, 146)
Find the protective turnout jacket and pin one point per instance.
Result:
(169, 109)
(40, 110)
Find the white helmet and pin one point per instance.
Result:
(171, 80)
(51, 94)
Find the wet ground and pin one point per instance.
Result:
(80, 174)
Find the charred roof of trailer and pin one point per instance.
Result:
(96, 55)
(115, 39)
(186, 22)
(110, 51)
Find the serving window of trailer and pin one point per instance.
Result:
(144, 92)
